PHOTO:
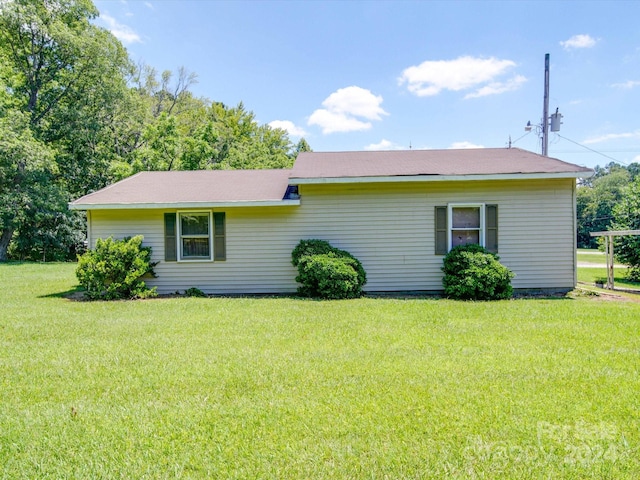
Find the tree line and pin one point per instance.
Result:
(610, 200)
(77, 114)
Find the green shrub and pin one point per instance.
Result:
(328, 276)
(321, 247)
(327, 272)
(311, 247)
(194, 292)
(473, 273)
(115, 269)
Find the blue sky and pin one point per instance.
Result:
(357, 75)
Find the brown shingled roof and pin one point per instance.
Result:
(192, 187)
(480, 161)
(187, 189)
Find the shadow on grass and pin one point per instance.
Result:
(77, 294)
(619, 281)
(74, 294)
(379, 296)
(566, 296)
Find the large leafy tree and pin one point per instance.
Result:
(239, 141)
(626, 216)
(27, 170)
(610, 200)
(70, 76)
(596, 200)
(67, 77)
(95, 118)
(195, 134)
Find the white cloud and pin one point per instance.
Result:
(149, 5)
(355, 101)
(348, 109)
(495, 88)
(332, 122)
(464, 73)
(289, 126)
(383, 145)
(628, 85)
(124, 33)
(579, 41)
(636, 159)
(463, 145)
(612, 136)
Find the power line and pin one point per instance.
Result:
(607, 151)
(592, 150)
(520, 138)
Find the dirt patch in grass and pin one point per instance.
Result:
(604, 295)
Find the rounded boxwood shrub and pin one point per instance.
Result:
(115, 270)
(312, 247)
(327, 272)
(471, 272)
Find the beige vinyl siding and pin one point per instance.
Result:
(258, 255)
(388, 226)
(391, 229)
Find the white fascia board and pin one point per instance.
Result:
(181, 205)
(437, 178)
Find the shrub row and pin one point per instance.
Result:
(116, 269)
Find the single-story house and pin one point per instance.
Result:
(398, 212)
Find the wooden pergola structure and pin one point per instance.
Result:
(608, 243)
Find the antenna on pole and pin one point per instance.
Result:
(545, 109)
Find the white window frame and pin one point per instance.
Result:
(179, 235)
(450, 228)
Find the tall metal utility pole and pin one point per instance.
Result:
(545, 109)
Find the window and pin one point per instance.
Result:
(195, 236)
(462, 224)
(466, 225)
(192, 236)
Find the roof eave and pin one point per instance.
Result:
(181, 205)
(438, 178)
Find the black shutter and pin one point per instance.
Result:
(441, 230)
(170, 253)
(219, 242)
(491, 228)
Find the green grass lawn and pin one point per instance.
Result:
(597, 271)
(591, 256)
(591, 275)
(287, 388)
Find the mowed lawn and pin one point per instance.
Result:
(592, 268)
(593, 256)
(288, 388)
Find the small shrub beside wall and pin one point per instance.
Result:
(115, 269)
(473, 273)
(194, 292)
(327, 272)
